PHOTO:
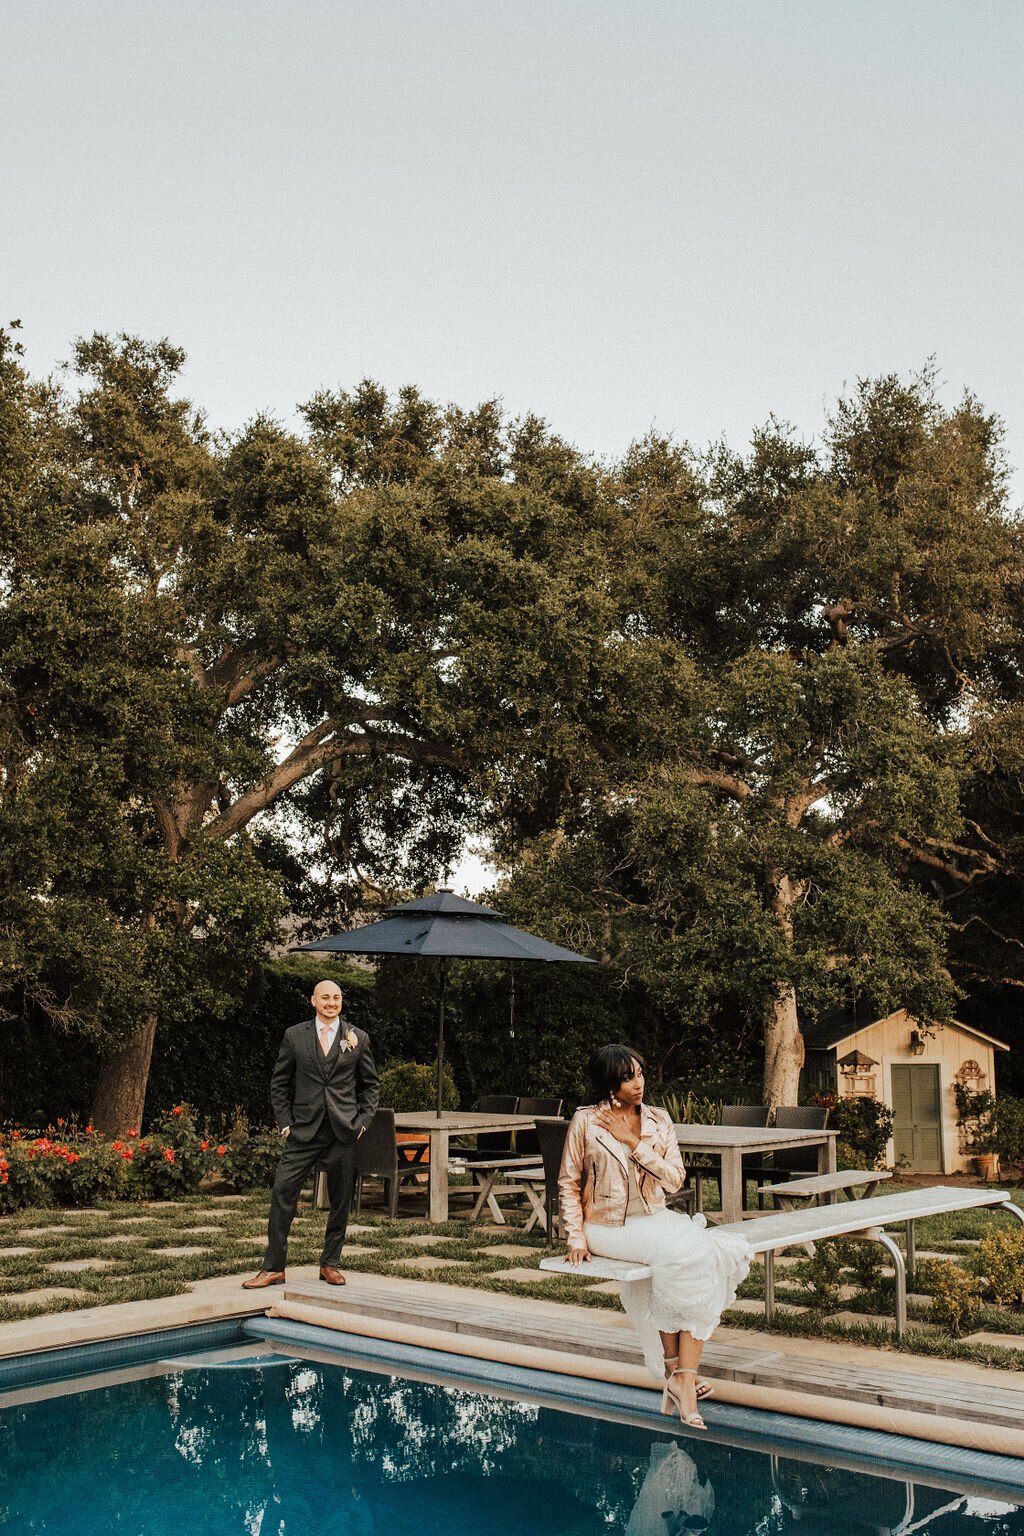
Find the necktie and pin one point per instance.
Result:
(325, 1037)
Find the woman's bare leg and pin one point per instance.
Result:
(670, 1348)
(682, 1353)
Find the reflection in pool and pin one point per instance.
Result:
(284, 1446)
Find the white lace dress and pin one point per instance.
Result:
(695, 1272)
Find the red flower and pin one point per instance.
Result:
(221, 1150)
(4, 1177)
(15, 1135)
(204, 1146)
(179, 1109)
(74, 1157)
(133, 1133)
(168, 1154)
(89, 1130)
(128, 1154)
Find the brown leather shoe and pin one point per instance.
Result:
(331, 1275)
(265, 1277)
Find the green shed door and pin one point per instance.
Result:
(917, 1117)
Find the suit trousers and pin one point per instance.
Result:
(338, 1160)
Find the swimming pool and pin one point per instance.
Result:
(268, 1429)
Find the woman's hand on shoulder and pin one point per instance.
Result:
(626, 1131)
(579, 1255)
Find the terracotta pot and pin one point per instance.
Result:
(986, 1165)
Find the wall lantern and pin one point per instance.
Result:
(917, 1043)
(856, 1063)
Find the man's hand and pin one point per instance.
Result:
(285, 1130)
(579, 1255)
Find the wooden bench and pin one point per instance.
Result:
(485, 1171)
(769, 1235)
(825, 1185)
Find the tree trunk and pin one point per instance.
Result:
(783, 1049)
(121, 1088)
(783, 1042)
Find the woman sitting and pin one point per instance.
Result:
(621, 1159)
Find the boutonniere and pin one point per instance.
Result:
(351, 1039)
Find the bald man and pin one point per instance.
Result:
(324, 1090)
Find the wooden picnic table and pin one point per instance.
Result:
(731, 1143)
(454, 1122)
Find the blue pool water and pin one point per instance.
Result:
(262, 1439)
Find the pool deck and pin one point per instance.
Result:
(944, 1400)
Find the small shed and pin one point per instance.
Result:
(912, 1067)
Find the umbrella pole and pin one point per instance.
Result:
(440, 1039)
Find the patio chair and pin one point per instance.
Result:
(490, 1144)
(551, 1134)
(377, 1157)
(527, 1144)
(754, 1116)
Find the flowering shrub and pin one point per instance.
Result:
(1000, 1262)
(864, 1125)
(71, 1166)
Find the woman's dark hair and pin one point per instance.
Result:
(609, 1067)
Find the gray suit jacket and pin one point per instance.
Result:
(306, 1086)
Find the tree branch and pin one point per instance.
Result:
(726, 783)
(315, 749)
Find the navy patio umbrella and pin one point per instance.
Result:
(445, 927)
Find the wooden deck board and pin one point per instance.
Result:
(608, 1335)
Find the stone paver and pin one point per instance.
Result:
(753, 1306)
(120, 1237)
(46, 1293)
(42, 1231)
(14, 1253)
(77, 1264)
(431, 1261)
(423, 1240)
(607, 1287)
(183, 1252)
(509, 1251)
(525, 1276)
(1001, 1340)
(134, 1221)
(198, 1231)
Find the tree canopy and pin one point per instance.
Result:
(746, 725)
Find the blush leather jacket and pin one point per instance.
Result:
(593, 1184)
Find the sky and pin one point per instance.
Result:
(618, 214)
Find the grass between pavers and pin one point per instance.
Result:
(137, 1270)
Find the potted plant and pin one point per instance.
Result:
(977, 1120)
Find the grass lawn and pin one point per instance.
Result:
(133, 1252)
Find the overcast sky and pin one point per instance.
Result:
(616, 213)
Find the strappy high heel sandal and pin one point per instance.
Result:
(670, 1403)
(704, 1388)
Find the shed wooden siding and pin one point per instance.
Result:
(888, 1041)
